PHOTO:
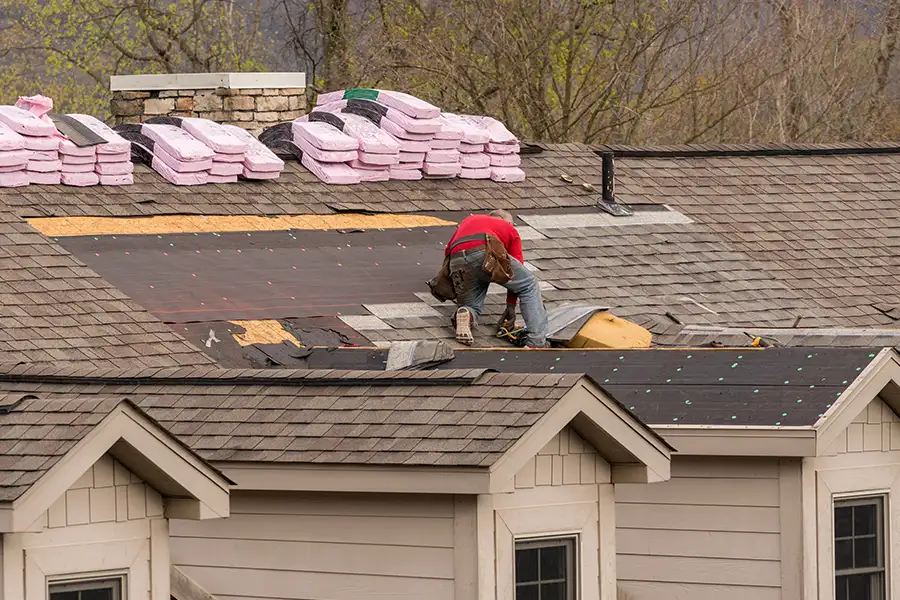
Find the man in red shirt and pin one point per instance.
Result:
(471, 281)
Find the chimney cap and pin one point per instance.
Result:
(204, 81)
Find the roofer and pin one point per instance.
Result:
(486, 248)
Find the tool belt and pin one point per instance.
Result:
(496, 264)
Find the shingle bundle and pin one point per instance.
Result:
(110, 161)
(228, 160)
(258, 161)
(13, 158)
(170, 151)
(377, 150)
(41, 140)
(326, 151)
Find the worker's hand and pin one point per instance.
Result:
(508, 319)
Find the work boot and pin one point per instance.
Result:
(464, 327)
(532, 345)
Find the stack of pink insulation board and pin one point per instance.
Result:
(440, 145)
(110, 162)
(13, 158)
(258, 162)
(41, 140)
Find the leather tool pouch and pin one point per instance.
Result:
(441, 285)
(496, 265)
(496, 261)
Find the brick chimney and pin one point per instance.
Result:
(249, 100)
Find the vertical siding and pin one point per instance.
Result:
(322, 547)
(876, 429)
(106, 492)
(711, 532)
(566, 460)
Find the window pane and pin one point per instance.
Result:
(553, 563)
(864, 519)
(840, 588)
(527, 565)
(843, 554)
(843, 521)
(860, 587)
(527, 592)
(866, 555)
(99, 594)
(63, 595)
(553, 591)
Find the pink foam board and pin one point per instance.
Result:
(484, 173)
(173, 176)
(475, 161)
(373, 158)
(495, 148)
(334, 173)
(471, 132)
(505, 160)
(412, 124)
(223, 178)
(442, 156)
(408, 165)
(13, 168)
(9, 139)
(374, 175)
(117, 179)
(44, 155)
(70, 168)
(14, 157)
(68, 159)
(408, 104)
(443, 168)
(507, 174)
(41, 144)
(251, 174)
(320, 155)
(38, 178)
(44, 166)
(498, 132)
(214, 136)
(405, 174)
(115, 143)
(220, 169)
(413, 146)
(258, 157)
(114, 157)
(402, 134)
(367, 133)
(14, 179)
(408, 157)
(471, 148)
(24, 122)
(439, 144)
(177, 143)
(323, 136)
(450, 130)
(228, 158)
(357, 164)
(79, 179)
(180, 166)
(119, 168)
(68, 148)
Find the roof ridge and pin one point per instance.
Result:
(753, 149)
(204, 376)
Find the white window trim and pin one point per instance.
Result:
(845, 484)
(527, 523)
(87, 551)
(89, 582)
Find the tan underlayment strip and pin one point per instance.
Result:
(262, 332)
(74, 226)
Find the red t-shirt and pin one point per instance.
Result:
(499, 228)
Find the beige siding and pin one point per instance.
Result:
(566, 460)
(713, 531)
(322, 547)
(107, 492)
(876, 429)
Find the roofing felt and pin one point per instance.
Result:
(54, 310)
(454, 418)
(772, 386)
(777, 239)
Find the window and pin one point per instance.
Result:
(545, 569)
(859, 549)
(95, 589)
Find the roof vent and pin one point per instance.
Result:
(608, 201)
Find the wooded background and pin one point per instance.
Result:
(623, 71)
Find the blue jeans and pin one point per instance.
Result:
(471, 284)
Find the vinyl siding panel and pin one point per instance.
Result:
(322, 547)
(712, 531)
(876, 429)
